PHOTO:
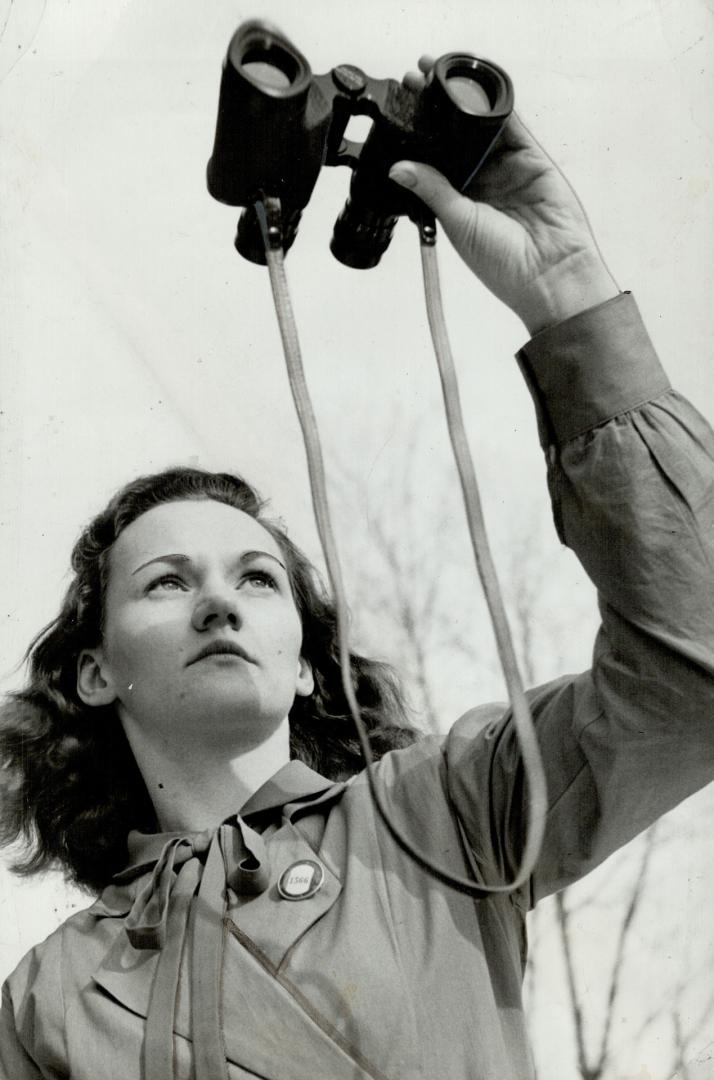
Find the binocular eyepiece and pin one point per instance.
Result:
(278, 125)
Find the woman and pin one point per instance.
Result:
(259, 920)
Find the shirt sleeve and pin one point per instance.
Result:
(15, 1062)
(32, 1035)
(631, 477)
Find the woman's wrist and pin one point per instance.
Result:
(578, 283)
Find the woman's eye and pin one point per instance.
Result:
(167, 583)
(261, 579)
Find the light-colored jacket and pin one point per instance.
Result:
(383, 972)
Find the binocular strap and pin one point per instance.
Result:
(270, 218)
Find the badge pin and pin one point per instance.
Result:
(301, 880)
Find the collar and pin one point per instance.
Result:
(293, 783)
(291, 788)
(177, 880)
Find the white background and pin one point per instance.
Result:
(133, 336)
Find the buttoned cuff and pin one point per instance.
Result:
(590, 368)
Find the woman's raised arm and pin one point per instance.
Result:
(631, 475)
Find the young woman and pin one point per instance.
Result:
(183, 747)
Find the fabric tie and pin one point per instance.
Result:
(187, 887)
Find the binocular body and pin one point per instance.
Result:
(278, 125)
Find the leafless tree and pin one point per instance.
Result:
(404, 569)
(592, 1065)
(408, 590)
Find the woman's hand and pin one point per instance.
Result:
(521, 230)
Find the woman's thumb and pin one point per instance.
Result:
(428, 185)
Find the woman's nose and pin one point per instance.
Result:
(217, 607)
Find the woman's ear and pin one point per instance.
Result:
(305, 681)
(94, 684)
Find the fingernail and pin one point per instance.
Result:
(403, 174)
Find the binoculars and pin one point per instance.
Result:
(278, 124)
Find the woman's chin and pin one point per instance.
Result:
(225, 710)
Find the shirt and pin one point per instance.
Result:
(383, 972)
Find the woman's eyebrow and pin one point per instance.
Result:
(175, 557)
(251, 556)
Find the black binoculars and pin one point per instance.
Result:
(278, 125)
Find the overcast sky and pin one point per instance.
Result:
(133, 336)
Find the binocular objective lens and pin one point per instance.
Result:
(469, 94)
(267, 74)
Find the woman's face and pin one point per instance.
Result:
(201, 633)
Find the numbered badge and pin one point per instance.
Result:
(301, 880)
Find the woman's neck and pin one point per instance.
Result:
(198, 787)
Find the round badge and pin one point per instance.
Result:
(301, 880)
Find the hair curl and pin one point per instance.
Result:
(71, 789)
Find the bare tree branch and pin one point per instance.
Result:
(620, 951)
(578, 1024)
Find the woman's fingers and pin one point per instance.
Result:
(430, 186)
(413, 80)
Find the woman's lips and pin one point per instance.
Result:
(221, 648)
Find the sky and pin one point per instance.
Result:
(132, 336)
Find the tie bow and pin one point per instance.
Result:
(192, 873)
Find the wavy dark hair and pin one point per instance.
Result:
(71, 789)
